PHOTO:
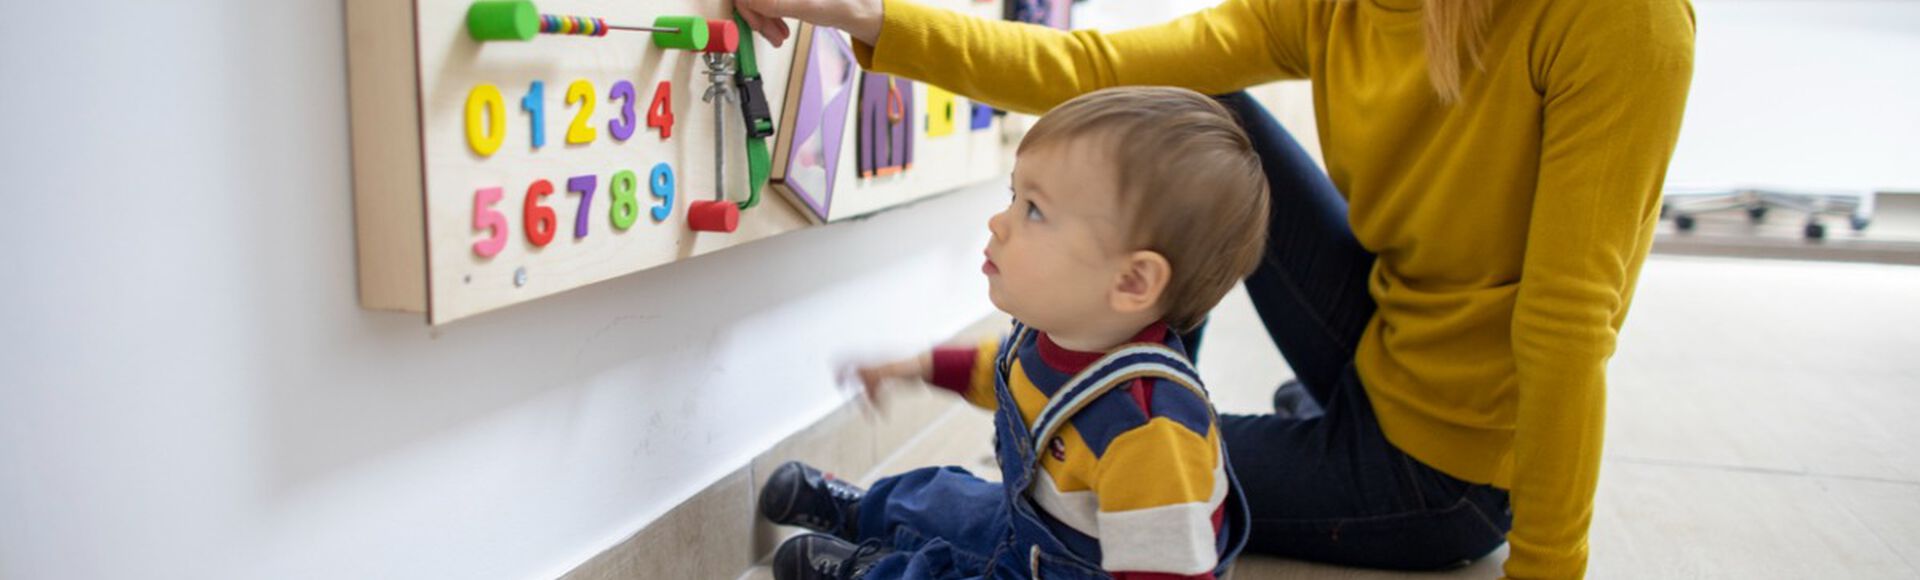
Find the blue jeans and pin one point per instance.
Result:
(942, 522)
(1327, 486)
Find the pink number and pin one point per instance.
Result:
(487, 218)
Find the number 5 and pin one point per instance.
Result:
(487, 218)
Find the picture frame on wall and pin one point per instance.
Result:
(820, 92)
(1057, 14)
(885, 124)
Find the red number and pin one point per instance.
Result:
(660, 113)
(540, 219)
(487, 218)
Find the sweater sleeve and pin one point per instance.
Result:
(1614, 91)
(1029, 68)
(967, 371)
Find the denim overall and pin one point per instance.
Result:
(1031, 550)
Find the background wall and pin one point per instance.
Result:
(188, 388)
(1804, 93)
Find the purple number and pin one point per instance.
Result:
(623, 127)
(583, 185)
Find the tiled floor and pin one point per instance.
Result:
(1764, 423)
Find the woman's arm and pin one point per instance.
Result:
(1615, 85)
(1029, 68)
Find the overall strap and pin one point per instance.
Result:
(1117, 368)
(1010, 348)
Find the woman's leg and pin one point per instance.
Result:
(1329, 487)
(1311, 286)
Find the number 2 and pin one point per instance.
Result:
(581, 131)
(622, 127)
(660, 112)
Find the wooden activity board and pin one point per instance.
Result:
(572, 145)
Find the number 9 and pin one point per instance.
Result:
(660, 180)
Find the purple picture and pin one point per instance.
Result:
(822, 121)
(885, 143)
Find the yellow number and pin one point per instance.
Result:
(486, 119)
(582, 129)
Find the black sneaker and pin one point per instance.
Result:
(824, 557)
(799, 495)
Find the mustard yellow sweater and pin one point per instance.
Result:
(1510, 227)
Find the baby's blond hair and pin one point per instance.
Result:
(1191, 186)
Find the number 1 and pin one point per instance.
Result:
(536, 105)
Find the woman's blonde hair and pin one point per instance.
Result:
(1456, 34)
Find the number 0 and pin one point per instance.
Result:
(486, 119)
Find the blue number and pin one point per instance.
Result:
(536, 104)
(660, 180)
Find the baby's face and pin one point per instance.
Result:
(1058, 248)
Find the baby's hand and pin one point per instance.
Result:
(875, 376)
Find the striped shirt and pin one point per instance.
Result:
(1135, 481)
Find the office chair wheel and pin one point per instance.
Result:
(1757, 213)
(1859, 223)
(1684, 222)
(1816, 231)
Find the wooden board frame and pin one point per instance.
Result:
(412, 69)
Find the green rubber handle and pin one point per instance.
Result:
(691, 35)
(503, 20)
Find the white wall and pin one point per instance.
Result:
(1806, 93)
(188, 388)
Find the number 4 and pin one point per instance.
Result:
(660, 112)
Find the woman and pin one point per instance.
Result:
(1448, 292)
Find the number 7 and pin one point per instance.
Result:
(583, 185)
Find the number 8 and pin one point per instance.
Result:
(625, 208)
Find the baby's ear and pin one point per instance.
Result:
(1141, 282)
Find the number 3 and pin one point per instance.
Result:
(622, 127)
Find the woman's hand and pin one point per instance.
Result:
(860, 18)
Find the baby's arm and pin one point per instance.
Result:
(965, 370)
